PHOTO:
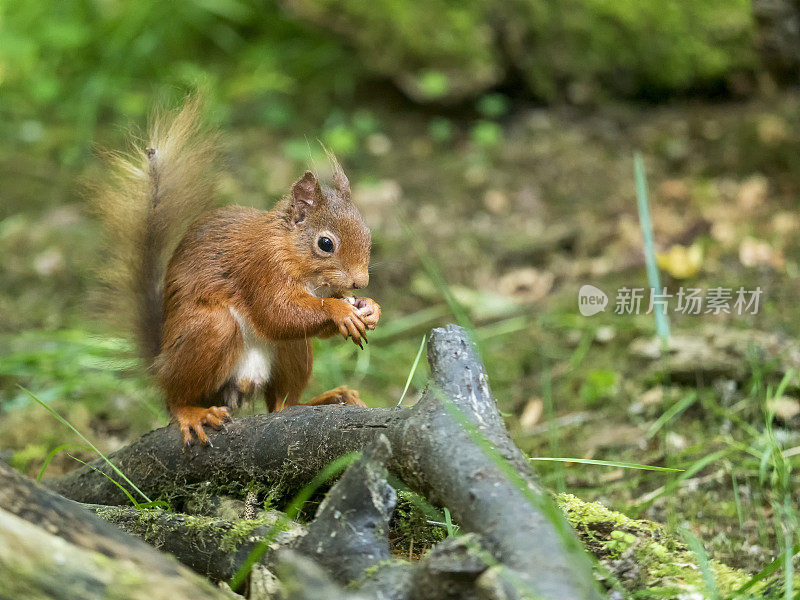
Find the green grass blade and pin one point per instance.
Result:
(738, 501)
(55, 451)
(111, 479)
(503, 328)
(787, 378)
(452, 530)
(671, 413)
(662, 324)
(702, 562)
(238, 579)
(788, 566)
(605, 463)
(542, 502)
(333, 469)
(407, 323)
(552, 431)
(766, 571)
(413, 370)
(85, 439)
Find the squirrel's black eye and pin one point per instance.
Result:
(325, 244)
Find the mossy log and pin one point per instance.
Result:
(52, 547)
(212, 546)
(451, 447)
(37, 565)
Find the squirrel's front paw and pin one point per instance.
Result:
(347, 318)
(369, 311)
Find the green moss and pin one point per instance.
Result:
(241, 529)
(620, 541)
(154, 529)
(595, 521)
(410, 524)
(373, 570)
(439, 51)
(203, 498)
(629, 46)
(660, 562)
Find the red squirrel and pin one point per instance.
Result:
(232, 309)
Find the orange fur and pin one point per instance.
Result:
(242, 289)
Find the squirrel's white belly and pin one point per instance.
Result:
(255, 364)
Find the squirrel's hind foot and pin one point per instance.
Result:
(193, 418)
(340, 395)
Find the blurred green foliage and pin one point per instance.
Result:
(94, 380)
(79, 62)
(631, 47)
(75, 63)
(433, 50)
(448, 51)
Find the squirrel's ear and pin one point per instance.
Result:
(305, 193)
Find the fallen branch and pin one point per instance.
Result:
(432, 452)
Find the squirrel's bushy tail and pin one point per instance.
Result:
(146, 201)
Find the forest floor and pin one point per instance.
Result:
(497, 224)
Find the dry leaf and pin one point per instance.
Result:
(673, 189)
(495, 201)
(752, 192)
(531, 414)
(772, 130)
(785, 223)
(652, 396)
(785, 407)
(725, 233)
(753, 252)
(526, 284)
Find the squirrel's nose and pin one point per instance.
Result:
(361, 280)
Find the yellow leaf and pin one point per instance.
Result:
(680, 261)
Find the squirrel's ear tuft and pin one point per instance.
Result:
(340, 181)
(305, 194)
